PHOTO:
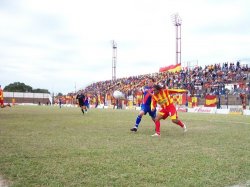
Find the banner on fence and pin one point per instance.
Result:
(237, 111)
(210, 101)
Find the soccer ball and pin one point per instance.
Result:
(118, 95)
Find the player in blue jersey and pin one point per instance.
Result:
(86, 103)
(146, 104)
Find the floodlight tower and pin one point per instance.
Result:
(114, 60)
(177, 23)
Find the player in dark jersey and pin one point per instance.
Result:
(81, 98)
(146, 104)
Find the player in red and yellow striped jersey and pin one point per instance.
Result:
(1, 99)
(162, 97)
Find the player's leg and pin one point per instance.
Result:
(162, 114)
(158, 124)
(1, 103)
(138, 120)
(175, 119)
(81, 106)
(153, 116)
(84, 108)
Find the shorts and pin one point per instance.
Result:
(169, 111)
(81, 104)
(147, 109)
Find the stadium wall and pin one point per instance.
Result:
(27, 98)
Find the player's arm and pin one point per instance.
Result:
(150, 91)
(77, 102)
(176, 91)
(153, 104)
(143, 90)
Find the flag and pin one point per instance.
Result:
(171, 68)
(179, 99)
(192, 102)
(210, 100)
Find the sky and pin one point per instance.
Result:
(66, 45)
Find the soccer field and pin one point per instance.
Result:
(49, 146)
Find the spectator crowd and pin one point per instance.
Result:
(212, 79)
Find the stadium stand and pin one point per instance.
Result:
(226, 81)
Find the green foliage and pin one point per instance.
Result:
(18, 87)
(49, 146)
(38, 90)
(59, 94)
(21, 87)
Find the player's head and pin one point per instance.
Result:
(150, 81)
(157, 88)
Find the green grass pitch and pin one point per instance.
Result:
(49, 146)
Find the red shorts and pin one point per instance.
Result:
(169, 111)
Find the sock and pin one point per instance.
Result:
(82, 111)
(138, 120)
(180, 123)
(157, 127)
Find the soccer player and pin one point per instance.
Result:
(60, 102)
(162, 97)
(1, 99)
(81, 98)
(146, 104)
(86, 104)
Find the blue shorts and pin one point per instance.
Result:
(147, 109)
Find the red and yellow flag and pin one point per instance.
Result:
(179, 99)
(171, 68)
(192, 102)
(210, 101)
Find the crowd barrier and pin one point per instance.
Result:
(231, 110)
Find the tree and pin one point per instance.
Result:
(38, 90)
(21, 87)
(59, 94)
(18, 87)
